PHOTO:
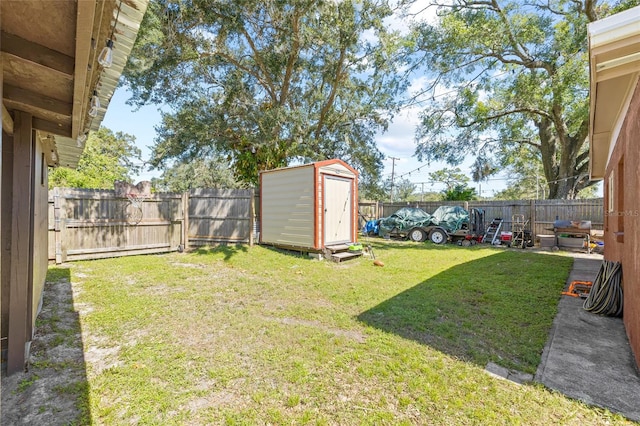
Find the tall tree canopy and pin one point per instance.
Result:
(510, 74)
(199, 173)
(107, 157)
(264, 83)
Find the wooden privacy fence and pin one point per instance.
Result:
(220, 216)
(540, 213)
(93, 224)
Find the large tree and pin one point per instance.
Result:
(509, 75)
(199, 173)
(107, 157)
(268, 82)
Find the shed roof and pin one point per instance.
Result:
(50, 66)
(614, 56)
(316, 165)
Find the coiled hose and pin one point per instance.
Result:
(605, 297)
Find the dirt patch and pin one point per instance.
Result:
(53, 388)
(350, 334)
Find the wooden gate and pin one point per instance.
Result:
(92, 224)
(220, 216)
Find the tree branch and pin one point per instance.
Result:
(334, 90)
(269, 85)
(506, 113)
(293, 56)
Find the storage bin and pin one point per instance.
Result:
(547, 241)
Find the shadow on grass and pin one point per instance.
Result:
(54, 388)
(498, 308)
(227, 250)
(400, 244)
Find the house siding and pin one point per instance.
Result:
(622, 216)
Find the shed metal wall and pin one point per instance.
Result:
(287, 207)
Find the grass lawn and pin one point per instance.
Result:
(241, 335)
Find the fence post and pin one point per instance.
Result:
(185, 220)
(532, 215)
(59, 223)
(252, 214)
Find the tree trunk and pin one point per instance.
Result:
(560, 161)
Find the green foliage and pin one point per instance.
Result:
(450, 177)
(267, 82)
(514, 74)
(459, 193)
(199, 173)
(401, 190)
(107, 157)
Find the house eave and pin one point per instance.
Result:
(614, 56)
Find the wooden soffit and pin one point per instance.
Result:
(614, 56)
(49, 54)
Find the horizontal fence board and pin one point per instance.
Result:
(112, 249)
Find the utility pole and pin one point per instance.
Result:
(393, 169)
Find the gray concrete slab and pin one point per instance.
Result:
(587, 356)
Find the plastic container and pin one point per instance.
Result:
(506, 236)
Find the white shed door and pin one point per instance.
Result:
(337, 210)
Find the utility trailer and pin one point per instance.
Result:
(469, 233)
(446, 224)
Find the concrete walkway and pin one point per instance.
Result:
(587, 356)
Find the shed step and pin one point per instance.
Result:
(339, 257)
(337, 248)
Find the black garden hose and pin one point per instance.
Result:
(605, 297)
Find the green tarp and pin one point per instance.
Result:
(450, 218)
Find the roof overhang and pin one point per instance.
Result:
(614, 56)
(50, 52)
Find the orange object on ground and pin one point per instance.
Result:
(578, 289)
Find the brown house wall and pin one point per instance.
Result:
(622, 216)
(5, 230)
(23, 262)
(40, 229)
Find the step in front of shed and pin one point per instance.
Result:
(340, 252)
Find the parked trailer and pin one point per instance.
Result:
(438, 235)
(417, 227)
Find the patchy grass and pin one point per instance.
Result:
(54, 390)
(256, 336)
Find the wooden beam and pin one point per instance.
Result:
(26, 97)
(36, 53)
(84, 29)
(7, 121)
(21, 248)
(51, 127)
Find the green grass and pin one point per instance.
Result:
(256, 336)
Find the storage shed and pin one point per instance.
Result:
(311, 207)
